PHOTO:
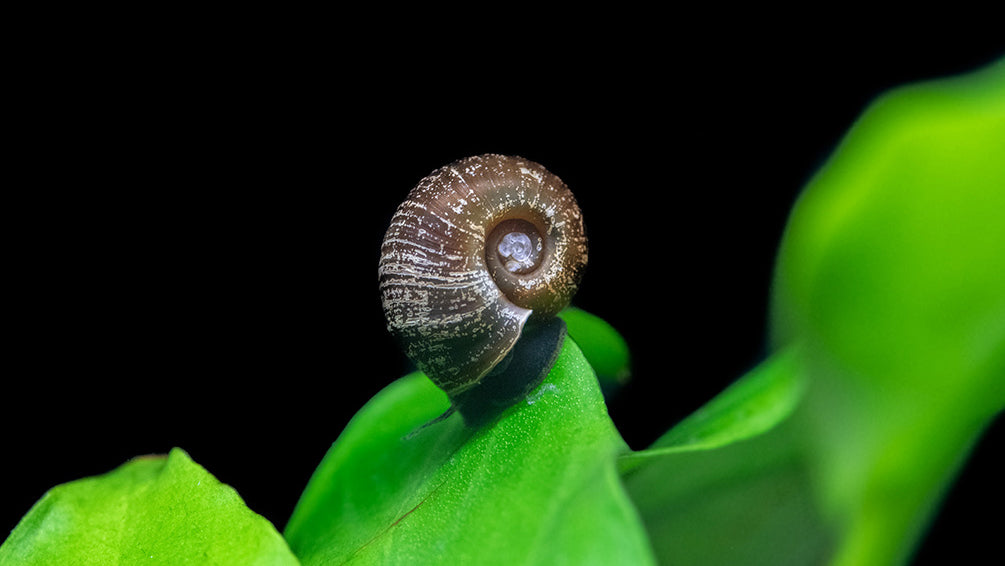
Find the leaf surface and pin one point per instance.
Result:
(891, 278)
(728, 485)
(150, 510)
(537, 486)
(753, 405)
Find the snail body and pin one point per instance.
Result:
(480, 250)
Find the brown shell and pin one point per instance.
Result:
(456, 312)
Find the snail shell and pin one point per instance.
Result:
(479, 249)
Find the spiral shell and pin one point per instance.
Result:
(479, 249)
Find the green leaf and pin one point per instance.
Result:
(890, 314)
(604, 348)
(894, 259)
(728, 485)
(751, 406)
(151, 510)
(891, 277)
(538, 486)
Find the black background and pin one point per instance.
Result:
(203, 212)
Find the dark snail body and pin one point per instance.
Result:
(480, 249)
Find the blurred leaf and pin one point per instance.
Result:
(151, 510)
(538, 486)
(891, 288)
(602, 345)
(891, 276)
(728, 485)
(894, 259)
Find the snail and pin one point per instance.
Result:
(483, 251)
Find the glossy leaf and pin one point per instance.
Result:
(537, 486)
(151, 510)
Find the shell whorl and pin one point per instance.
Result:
(479, 248)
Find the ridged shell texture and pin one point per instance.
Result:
(455, 308)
